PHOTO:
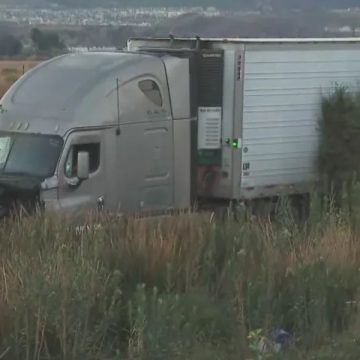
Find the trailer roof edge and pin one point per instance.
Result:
(254, 40)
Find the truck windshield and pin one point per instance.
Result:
(27, 154)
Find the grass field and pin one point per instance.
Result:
(183, 287)
(11, 70)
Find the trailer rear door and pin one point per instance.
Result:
(283, 88)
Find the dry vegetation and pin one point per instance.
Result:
(183, 287)
(11, 70)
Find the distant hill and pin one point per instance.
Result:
(276, 4)
(217, 3)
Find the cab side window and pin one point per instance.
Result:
(71, 162)
(152, 91)
(140, 100)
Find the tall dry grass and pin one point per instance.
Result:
(10, 71)
(176, 287)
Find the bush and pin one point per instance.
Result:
(10, 45)
(339, 162)
(47, 42)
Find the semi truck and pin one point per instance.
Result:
(168, 123)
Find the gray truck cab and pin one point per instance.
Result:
(97, 131)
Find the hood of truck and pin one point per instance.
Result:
(49, 98)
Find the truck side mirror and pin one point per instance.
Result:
(83, 165)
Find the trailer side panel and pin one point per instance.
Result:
(283, 88)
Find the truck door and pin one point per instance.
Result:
(89, 194)
(144, 154)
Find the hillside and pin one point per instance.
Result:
(275, 4)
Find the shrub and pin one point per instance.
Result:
(339, 162)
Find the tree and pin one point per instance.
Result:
(10, 45)
(46, 42)
(118, 36)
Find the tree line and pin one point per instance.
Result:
(42, 43)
